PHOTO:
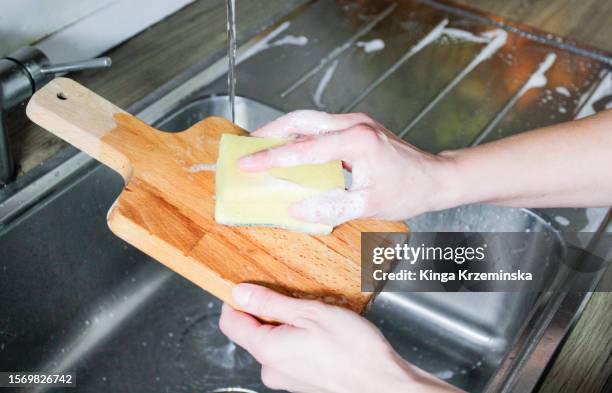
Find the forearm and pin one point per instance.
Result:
(566, 165)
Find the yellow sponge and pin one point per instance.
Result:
(263, 198)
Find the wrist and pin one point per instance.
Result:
(450, 184)
(410, 378)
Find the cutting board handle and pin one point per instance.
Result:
(81, 118)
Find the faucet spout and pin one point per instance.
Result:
(21, 74)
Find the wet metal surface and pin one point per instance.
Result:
(125, 321)
(75, 297)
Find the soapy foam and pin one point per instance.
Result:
(266, 42)
(563, 91)
(497, 39)
(446, 374)
(430, 37)
(314, 121)
(300, 122)
(374, 45)
(332, 207)
(463, 35)
(329, 73)
(339, 50)
(202, 167)
(291, 40)
(537, 79)
(433, 35)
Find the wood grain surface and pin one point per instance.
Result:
(167, 210)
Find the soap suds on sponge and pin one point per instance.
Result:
(202, 167)
(263, 198)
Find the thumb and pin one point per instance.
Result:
(331, 208)
(268, 304)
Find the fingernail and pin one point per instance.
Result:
(241, 295)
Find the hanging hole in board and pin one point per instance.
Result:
(61, 96)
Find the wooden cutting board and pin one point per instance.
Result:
(167, 210)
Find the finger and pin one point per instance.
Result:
(331, 208)
(313, 150)
(244, 330)
(265, 303)
(309, 122)
(238, 326)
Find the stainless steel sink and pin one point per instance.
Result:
(75, 297)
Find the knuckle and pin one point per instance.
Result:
(363, 133)
(362, 117)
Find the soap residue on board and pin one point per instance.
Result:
(202, 167)
(318, 94)
(374, 45)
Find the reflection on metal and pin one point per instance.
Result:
(601, 93)
(548, 39)
(537, 79)
(339, 50)
(433, 35)
(497, 41)
(480, 342)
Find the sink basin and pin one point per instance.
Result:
(75, 297)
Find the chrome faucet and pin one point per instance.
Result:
(21, 74)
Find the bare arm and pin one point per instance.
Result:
(565, 165)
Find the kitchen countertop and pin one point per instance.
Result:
(196, 36)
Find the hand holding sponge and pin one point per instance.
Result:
(263, 198)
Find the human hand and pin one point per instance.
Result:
(382, 165)
(318, 348)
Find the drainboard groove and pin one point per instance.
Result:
(497, 41)
(339, 50)
(428, 39)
